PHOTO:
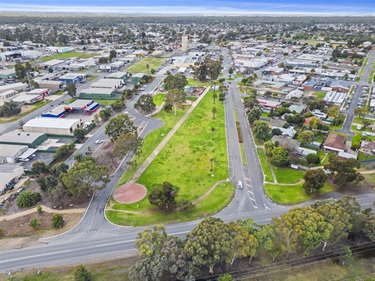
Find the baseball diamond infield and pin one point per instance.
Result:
(130, 193)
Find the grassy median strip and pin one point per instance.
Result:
(291, 194)
(265, 165)
(216, 200)
(243, 157)
(141, 65)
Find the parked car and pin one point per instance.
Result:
(24, 159)
(98, 141)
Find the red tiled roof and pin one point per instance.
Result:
(335, 141)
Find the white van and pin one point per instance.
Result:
(240, 184)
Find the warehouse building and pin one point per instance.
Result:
(51, 85)
(8, 94)
(52, 126)
(97, 93)
(55, 112)
(51, 64)
(118, 75)
(7, 73)
(84, 105)
(27, 99)
(71, 78)
(13, 87)
(10, 175)
(107, 84)
(32, 140)
(10, 153)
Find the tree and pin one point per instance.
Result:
(175, 97)
(214, 111)
(119, 125)
(20, 71)
(103, 60)
(79, 134)
(244, 244)
(254, 114)
(344, 171)
(333, 111)
(230, 71)
(63, 151)
(213, 132)
(225, 277)
(306, 137)
(261, 130)
(61, 168)
(105, 113)
(249, 103)
(186, 205)
(85, 177)
(118, 105)
(360, 111)
(164, 197)
(112, 55)
(267, 95)
(346, 255)
(207, 69)
(314, 181)
(34, 223)
(71, 88)
(27, 199)
(9, 108)
(276, 132)
(369, 226)
(313, 158)
(177, 81)
(47, 182)
(214, 96)
(81, 273)
(209, 243)
(79, 157)
(145, 103)
(147, 68)
(126, 142)
(57, 220)
(280, 157)
(314, 122)
(39, 167)
(366, 123)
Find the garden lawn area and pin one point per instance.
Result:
(67, 55)
(185, 160)
(356, 140)
(104, 102)
(216, 200)
(193, 82)
(288, 175)
(35, 106)
(265, 165)
(291, 194)
(140, 66)
(364, 156)
(320, 95)
(158, 99)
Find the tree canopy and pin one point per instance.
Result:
(119, 125)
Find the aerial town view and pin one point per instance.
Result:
(202, 140)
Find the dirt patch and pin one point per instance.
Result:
(104, 156)
(130, 193)
(20, 226)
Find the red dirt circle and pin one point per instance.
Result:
(130, 193)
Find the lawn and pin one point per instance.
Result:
(287, 175)
(185, 160)
(364, 156)
(291, 194)
(216, 200)
(243, 157)
(320, 95)
(67, 55)
(36, 105)
(104, 102)
(265, 166)
(158, 99)
(193, 82)
(140, 66)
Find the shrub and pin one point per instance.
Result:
(57, 220)
(27, 199)
(34, 223)
(39, 209)
(313, 159)
(82, 274)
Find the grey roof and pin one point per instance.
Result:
(10, 150)
(7, 169)
(20, 137)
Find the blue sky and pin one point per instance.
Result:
(195, 6)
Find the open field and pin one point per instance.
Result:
(158, 99)
(67, 55)
(291, 194)
(288, 175)
(140, 66)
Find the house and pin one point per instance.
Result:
(300, 109)
(268, 104)
(335, 142)
(289, 132)
(305, 151)
(294, 94)
(288, 143)
(367, 147)
(345, 155)
(32, 140)
(277, 123)
(321, 115)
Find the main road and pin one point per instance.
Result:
(96, 239)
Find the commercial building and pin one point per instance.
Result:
(184, 43)
(117, 75)
(9, 175)
(27, 99)
(97, 93)
(71, 78)
(13, 87)
(84, 105)
(50, 84)
(8, 94)
(11, 55)
(52, 126)
(55, 112)
(336, 98)
(107, 84)
(7, 73)
(10, 153)
(32, 140)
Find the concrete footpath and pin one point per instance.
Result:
(155, 153)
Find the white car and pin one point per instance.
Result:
(24, 159)
(98, 141)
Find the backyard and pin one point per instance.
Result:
(140, 66)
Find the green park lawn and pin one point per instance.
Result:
(158, 99)
(185, 160)
(287, 175)
(265, 165)
(216, 200)
(193, 82)
(140, 66)
(291, 194)
(67, 55)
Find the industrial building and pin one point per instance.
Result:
(71, 78)
(97, 93)
(14, 87)
(55, 112)
(32, 140)
(117, 75)
(27, 99)
(8, 94)
(107, 84)
(7, 73)
(10, 153)
(9, 175)
(50, 84)
(84, 105)
(52, 126)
